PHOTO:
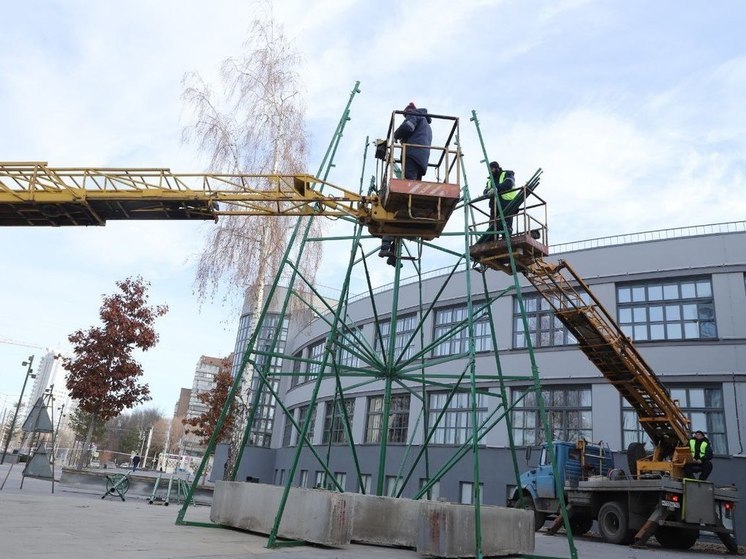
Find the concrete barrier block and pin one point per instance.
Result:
(311, 515)
(448, 530)
(385, 520)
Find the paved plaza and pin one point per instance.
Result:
(72, 524)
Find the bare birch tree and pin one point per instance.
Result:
(254, 124)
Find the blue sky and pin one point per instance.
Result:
(633, 109)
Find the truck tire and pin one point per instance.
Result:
(580, 524)
(613, 523)
(672, 537)
(539, 517)
(635, 451)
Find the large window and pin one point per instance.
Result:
(346, 340)
(667, 310)
(341, 478)
(297, 378)
(315, 356)
(544, 329)
(261, 430)
(466, 493)
(393, 485)
(448, 319)
(405, 327)
(302, 418)
(702, 405)
(398, 419)
(364, 484)
(455, 425)
(568, 413)
(287, 432)
(242, 340)
(334, 422)
(433, 494)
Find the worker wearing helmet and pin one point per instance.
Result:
(701, 455)
(416, 135)
(501, 187)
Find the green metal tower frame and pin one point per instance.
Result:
(392, 363)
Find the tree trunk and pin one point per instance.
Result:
(86, 450)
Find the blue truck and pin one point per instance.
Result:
(628, 508)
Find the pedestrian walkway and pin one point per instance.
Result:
(36, 524)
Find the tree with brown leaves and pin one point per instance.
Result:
(102, 374)
(205, 424)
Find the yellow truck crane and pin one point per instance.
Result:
(654, 497)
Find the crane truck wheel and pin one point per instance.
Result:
(613, 523)
(671, 537)
(635, 451)
(580, 524)
(539, 517)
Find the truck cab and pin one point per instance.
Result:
(575, 462)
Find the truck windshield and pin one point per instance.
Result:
(544, 459)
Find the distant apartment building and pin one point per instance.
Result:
(50, 377)
(204, 380)
(182, 404)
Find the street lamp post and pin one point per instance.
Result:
(59, 422)
(29, 373)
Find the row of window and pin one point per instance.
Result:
(650, 311)
(568, 411)
(364, 484)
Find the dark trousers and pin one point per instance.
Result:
(704, 469)
(495, 223)
(412, 170)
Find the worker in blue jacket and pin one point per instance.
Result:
(416, 135)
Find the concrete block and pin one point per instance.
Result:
(448, 530)
(385, 520)
(311, 515)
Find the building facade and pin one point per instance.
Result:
(204, 380)
(681, 299)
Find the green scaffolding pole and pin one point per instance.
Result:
(388, 364)
(548, 435)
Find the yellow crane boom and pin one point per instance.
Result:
(32, 193)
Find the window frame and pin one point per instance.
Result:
(334, 431)
(398, 427)
(649, 311)
(541, 314)
(406, 326)
(288, 439)
(459, 343)
(715, 407)
(454, 428)
(525, 414)
(462, 485)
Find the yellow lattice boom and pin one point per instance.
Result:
(32, 193)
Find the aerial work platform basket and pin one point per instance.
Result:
(526, 242)
(417, 208)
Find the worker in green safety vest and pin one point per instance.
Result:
(701, 455)
(501, 187)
